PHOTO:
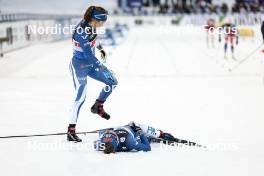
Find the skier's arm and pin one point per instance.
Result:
(145, 143)
(133, 143)
(143, 146)
(83, 39)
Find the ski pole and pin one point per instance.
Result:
(246, 58)
(48, 134)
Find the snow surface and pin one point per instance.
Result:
(170, 81)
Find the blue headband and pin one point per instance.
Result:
(98, 16)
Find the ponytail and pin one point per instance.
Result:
(89, 12)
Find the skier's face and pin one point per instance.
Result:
(97, 24)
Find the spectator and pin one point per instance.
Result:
(224, 8)
(195, 6)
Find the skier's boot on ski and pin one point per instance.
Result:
(98, 108)
(71, 135)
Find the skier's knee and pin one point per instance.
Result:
(112, 86)
(115, 82)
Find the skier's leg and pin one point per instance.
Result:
(226, 43)
(168, 138)
(80, 84)
(232, 45)
(225, 46)
(150, 131)
(106, 76)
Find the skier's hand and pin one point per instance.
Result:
(103, 55)
(236, 42)
(135, 128)
(139, 131)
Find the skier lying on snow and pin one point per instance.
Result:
(135, 137)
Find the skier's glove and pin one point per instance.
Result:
(237, 42)
(135, 128)
(103, 55)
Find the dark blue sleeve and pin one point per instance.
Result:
(139, 146)
(83, 39)
(145, 146)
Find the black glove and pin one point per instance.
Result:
(237, 41)
(135, 128)
(103, 55)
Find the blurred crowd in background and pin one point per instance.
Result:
(152, 7)
(137, 7)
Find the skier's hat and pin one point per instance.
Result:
(99, 16)
(110, 137)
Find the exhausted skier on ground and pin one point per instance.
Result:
(133, 137)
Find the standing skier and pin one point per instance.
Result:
(230, 34)
(84, 63)
(210, 37)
